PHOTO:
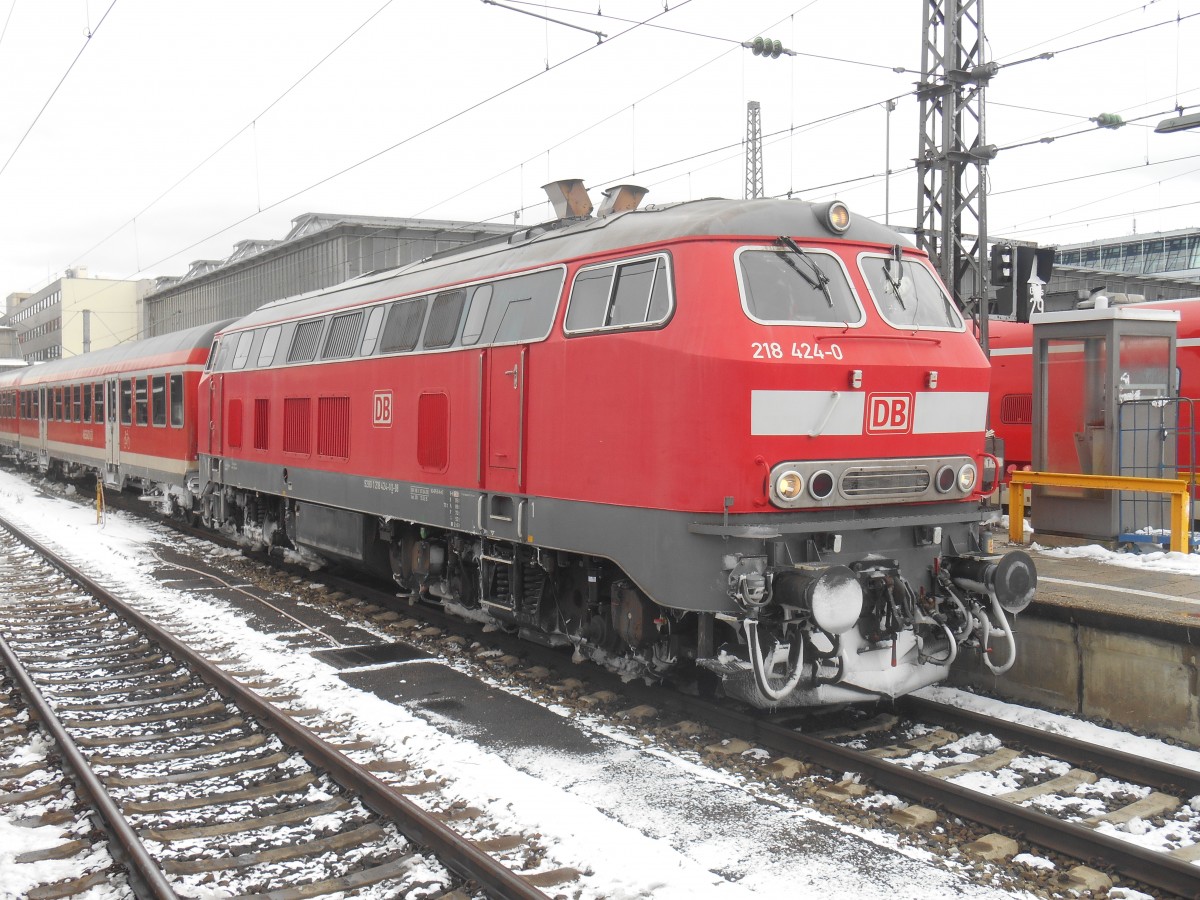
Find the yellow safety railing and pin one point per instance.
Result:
(1178, 488)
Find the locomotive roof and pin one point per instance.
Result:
(99, 361)
(570, 238)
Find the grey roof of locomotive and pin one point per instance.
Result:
(569, 238)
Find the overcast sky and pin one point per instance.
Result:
(167, 140)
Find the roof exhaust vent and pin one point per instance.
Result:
(621, 198)
(569, 198)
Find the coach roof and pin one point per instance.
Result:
(123, 357)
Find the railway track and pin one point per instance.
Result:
(897, 753)
(199, 782)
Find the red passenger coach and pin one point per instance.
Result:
(744, 434)
(127, 413)
(1011, 402)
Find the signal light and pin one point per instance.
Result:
(1002, 263)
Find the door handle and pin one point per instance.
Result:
(513, 373)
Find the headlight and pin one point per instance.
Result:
(966, 478)
(789, 485)
(835, 216)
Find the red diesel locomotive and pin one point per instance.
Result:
(741, 434)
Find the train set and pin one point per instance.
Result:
(744, 436)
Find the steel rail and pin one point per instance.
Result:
(1148, 866)
(1116, 763)
(452, 850)
(1151, 867)
(144, 870)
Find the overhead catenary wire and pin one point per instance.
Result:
(252, 124)
(91, 34)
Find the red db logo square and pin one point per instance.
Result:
(889, 413)
(382, 416)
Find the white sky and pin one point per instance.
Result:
(160, 87)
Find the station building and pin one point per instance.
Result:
(1163, 265)
(75, 314)
(319, 251)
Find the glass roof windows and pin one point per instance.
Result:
(790, 285)
(907, 294)
(620, 295)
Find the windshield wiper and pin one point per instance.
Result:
(894, 282)
(820, 282)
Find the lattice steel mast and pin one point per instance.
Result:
(953, 154)
(754, 167)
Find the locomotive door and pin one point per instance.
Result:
(216, 397)
(112, 425)
(504, 422)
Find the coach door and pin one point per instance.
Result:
(112, 424)
(504, 422)
(43, 413)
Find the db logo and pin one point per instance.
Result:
(382, 417)
(889, 413)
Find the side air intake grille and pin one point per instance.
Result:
(884, 481)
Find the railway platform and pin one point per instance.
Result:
(1105, 640)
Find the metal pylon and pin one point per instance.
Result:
(754, 168)
(953, 154)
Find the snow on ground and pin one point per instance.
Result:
(633, 837)
(601, 815)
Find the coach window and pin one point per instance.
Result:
(242, 353)
(77, 403)
(370, 339)
(87, 403)
(305, 341)
(266, 353)
(98, 409)
(403, 327)
(624, 295)
(58, 405)
(444, 317)
(139, 401)
(907, 295)
(176, 401)
(158, 400)
(343, 334)
(477, 314)
(783, 286)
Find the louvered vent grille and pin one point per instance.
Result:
(1017, 409)
(296, 424)
(262, 424)
(333, 427)
(304, 342)
(884, 481)
(342, 332)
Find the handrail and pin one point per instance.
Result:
(1178, 488)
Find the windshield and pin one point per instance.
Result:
(781, 285)
(908, 295)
